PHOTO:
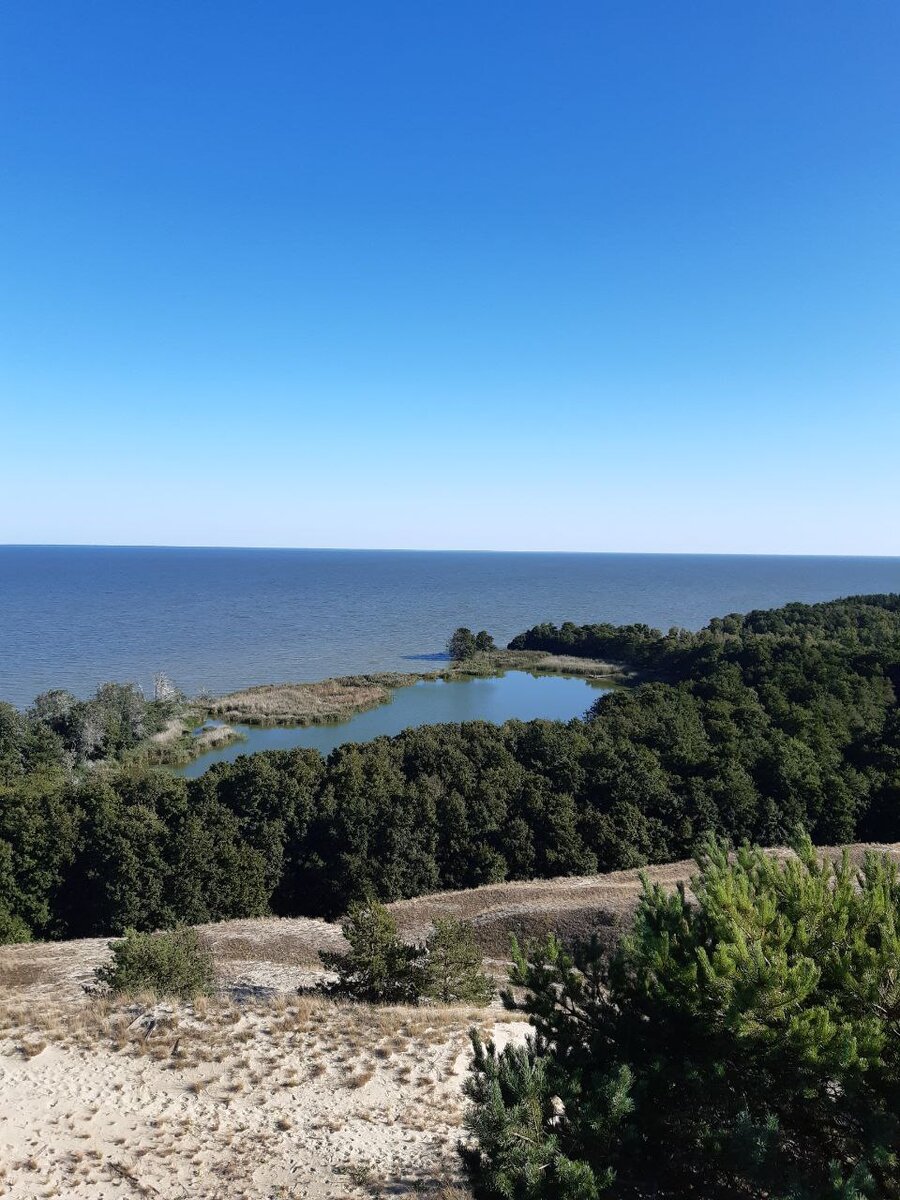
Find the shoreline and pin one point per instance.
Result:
(336, 700)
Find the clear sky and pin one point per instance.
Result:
(592, 276)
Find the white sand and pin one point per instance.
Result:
(297, 1098)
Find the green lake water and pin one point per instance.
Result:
(515, 695)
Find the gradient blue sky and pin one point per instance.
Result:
(590, 276)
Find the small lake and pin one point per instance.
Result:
(515, 695)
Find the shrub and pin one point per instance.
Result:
(453, 968)
(379, 967)
(740, 1043)
(175, 964)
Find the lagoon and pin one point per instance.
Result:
(516, 695)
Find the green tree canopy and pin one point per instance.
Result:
(749, 728)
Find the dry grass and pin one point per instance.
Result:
(275, 1097)
(308, 703)
(569, 664)
(215, 737)
(22, 974)
(572, 906)
(292, 948)
(30, 1049)
(170, 732)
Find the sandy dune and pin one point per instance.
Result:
(259, 1092)
(293, 1098)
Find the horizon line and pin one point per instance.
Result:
(439, 550)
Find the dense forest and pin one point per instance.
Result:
(752, 729)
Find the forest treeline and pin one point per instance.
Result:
(752, 729)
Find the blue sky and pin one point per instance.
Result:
(587, 276)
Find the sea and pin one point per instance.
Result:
(220, 619)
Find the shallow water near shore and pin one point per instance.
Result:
(517, 694)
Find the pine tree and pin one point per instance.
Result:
(379, 967)
(174, 963)
(453, 965)
(741, 1041)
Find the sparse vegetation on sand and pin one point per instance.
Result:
(255, 1091)
(258, 1091)
(253, 1097)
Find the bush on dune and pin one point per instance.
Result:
(380, 968)
(175, 964)
(453, 965)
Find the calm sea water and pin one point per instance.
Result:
(516, 694)
(222, 619)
